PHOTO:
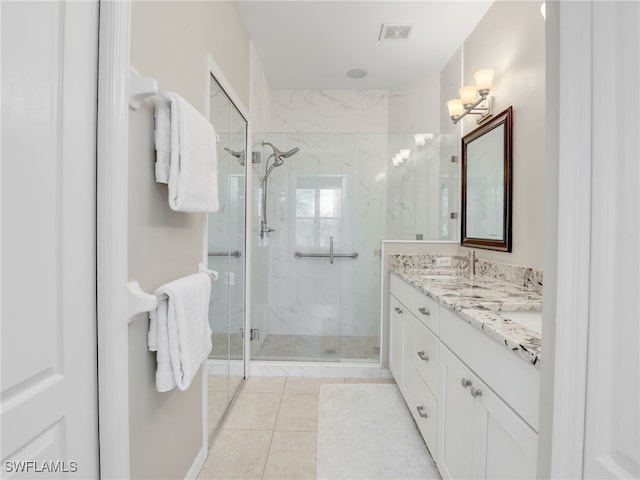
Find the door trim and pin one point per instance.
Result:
(112, 160)
(574, 78)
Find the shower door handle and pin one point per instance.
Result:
(331, 250)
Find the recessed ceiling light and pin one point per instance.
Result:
(357, 73)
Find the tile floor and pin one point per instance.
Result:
(270, 431)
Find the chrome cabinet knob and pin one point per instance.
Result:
(423, 356)
(421, 411)
(475, 392)
(465, 383)
(424, 311)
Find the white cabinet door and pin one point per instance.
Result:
(479, 436)
(455, 418)
(396, 333)
(504, 446)
(49, 369)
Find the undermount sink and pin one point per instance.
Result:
(530, 320)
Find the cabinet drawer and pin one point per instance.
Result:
(424, 409)
(426, 360)
(425, 309)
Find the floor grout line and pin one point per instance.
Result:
(273, 431)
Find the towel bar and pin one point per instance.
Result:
(141, 301)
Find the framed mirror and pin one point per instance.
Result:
(487, 185)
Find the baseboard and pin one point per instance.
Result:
(197, 465)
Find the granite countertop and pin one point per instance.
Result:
(480, 301)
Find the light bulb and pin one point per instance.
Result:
(455, 107)
(484, 80)
(468, 94)
(421, 138)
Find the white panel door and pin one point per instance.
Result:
(49, 348)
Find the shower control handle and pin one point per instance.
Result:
(331, 250)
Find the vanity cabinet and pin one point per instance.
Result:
(474, 402)
(413, 355)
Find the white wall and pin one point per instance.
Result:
(510, 38)
(169, 41)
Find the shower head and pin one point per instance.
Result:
(287, 154)
(238, 155)
(278, 155)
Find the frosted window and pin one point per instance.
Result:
(330, 202)
(305, 202)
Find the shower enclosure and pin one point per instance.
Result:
(316, 272)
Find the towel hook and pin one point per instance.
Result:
(140, 88)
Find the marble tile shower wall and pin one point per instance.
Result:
(309, 296)
(260, 118)
(422, 193)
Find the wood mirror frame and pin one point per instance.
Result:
(488, 148)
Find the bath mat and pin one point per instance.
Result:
(366, 432)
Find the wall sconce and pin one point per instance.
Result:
(469, 103)
(401, 157)
(421, 139)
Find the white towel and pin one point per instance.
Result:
(179, 330)
(186, 156)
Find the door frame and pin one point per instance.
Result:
(112, 259)
(212, 69)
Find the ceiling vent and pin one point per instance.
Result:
(394, 31)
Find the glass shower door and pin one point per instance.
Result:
(225, 245)
(327, 199)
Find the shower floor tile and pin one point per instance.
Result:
(223, 344)
(318, 348)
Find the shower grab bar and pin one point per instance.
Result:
(140, 301)
(331, 250)
(353, 255)
(235, 253)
